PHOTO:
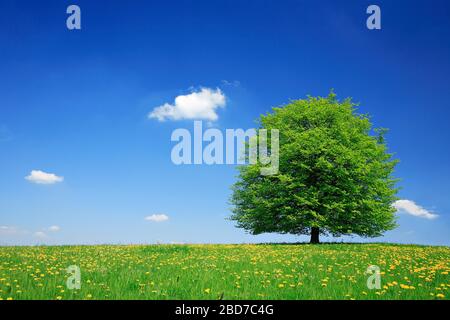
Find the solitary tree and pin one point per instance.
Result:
(334, 178)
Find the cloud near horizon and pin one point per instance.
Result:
(8, 230)
(40, 235)
(157, 218)
(41, 177)
(201, 105)
(413, 209)
(12, 231)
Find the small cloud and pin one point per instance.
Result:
(12, 231)
(411, 208)
(233, 83)
(8, 230)
(40, 235)
(41, 177)
(54, 228)
(196, 105)
(157, 218)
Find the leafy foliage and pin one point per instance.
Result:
(335, 174)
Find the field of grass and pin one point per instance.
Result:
(326, 271)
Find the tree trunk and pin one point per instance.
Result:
(314, 235)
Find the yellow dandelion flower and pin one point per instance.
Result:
(404, 286)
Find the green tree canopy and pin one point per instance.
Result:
(334, 178)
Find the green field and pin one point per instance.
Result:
(326, 271)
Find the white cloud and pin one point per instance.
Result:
(410, 207)
(196, 105)
(41, 177)
(157, 218)
(7, 230)
(54, 228)
(40, 235)
(233, 83)
(12, 231)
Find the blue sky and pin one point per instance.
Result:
(76, 104)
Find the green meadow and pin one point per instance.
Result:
(262, 271)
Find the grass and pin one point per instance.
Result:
(326, 271)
